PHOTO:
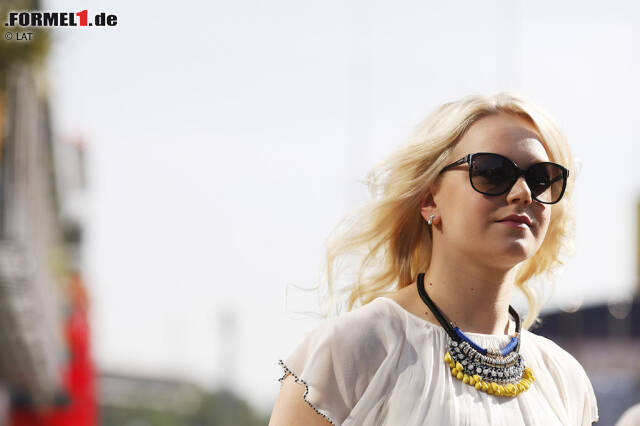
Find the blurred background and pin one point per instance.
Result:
(168, 184)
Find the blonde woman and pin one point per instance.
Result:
(477, 203)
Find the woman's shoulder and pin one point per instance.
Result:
(337, 360)
(549, 351)
(562, 367)
(375, 322)
(374, 329)
(555, 368)
(553, 357)
(379, 309)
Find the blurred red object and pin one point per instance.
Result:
(77, 405)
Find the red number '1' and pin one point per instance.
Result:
(83, 18)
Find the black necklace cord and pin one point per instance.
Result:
(434, 309)
(516, 318)
(436, 312)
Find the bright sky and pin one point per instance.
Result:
(225, 140)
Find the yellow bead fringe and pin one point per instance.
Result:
(492, 388)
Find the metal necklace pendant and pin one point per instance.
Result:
(496, 372)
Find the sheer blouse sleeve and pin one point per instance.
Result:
(335, 362)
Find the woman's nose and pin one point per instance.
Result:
(519, 192)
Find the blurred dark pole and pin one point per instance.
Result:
(638, 248)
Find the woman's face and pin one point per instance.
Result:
(468, 221)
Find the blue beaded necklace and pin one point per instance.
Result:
(496, 372)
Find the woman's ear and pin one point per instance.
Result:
(428, 206)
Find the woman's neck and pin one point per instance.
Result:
(476, 298)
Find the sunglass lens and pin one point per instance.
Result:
(491, 174)
(546, 182)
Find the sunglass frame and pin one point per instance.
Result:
(467, 159)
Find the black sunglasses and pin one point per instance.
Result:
(495, 174)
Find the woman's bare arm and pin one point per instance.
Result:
(291, 409)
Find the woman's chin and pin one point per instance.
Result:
(516, 252)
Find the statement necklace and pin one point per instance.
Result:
(496, 372)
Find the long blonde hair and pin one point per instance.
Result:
(391, 240)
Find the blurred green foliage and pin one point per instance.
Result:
(216, 409)
(32, 52)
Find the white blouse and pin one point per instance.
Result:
(382, 365)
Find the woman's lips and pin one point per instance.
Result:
(514, 224)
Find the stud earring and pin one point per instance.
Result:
(430, 221)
